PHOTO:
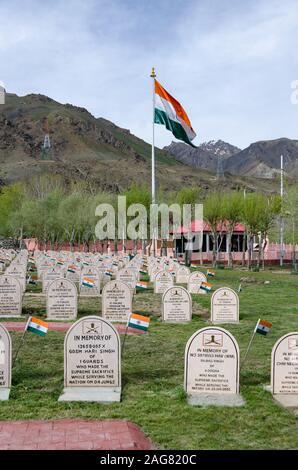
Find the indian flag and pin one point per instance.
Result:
(170, 113)
(210, 273)
(71, 269)
(141, 285)
(35, 325)
(206, 286)
(60, 261)
(109, 272)
(87, 282)
(138, 321)
(263, 327)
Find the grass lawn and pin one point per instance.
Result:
(152, 372)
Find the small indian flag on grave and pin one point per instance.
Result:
(138, 321)
(87, 282)
(71, 269)
(109, 272)
(60, 262)
(263, 327)
(141, 285)
(35, 325)
(210, 273)
(206, 286)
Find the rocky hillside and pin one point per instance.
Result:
(259, 160)
(96, 151)
(205, 156)
(262, 159)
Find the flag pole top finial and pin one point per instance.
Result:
(153, 74)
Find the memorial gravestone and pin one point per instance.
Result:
(211, 371)
(5, 363)
(163, 280)
(90, 282)
(225, 306)
(116, 301)
(10, 297)
(62, 300)
(18, 272)
(176, 305)
(182, 275)
(194, 282)
(284, 371)
(92, 362)
(50, 275)
(128, 276)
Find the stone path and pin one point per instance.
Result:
(72, 434)
(60, 326)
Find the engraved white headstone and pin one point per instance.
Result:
(92, 362)
(176, 305)
(225, 306)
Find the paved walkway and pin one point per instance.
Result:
(60, 326)
(72, 434)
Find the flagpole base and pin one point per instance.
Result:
(103, 395)
(4, 394)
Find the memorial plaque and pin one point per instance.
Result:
(18, 272)
(211, 363)
(62, 300)
(284, 365)
(90, 282)
(194, 282)
(176, 305)
(50, 275)
(92, 361)
(5, 363)
(10, 296)
(128, 276)
(116, 301)
(153, 272)
(163, 281)
(182, 275)
(225, 306)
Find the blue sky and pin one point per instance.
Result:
(230, 63)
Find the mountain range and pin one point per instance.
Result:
(259, 160)
(108, 157)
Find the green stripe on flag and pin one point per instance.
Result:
(34, 330)
(138, 327)
(160, 117)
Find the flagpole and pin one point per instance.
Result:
(250, 342)
(153, 76)
(125, 334)
(21, 341)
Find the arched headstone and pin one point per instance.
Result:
(163, 280)
(5, 363)
(194, 282)
(128, 276)
(18, 272)
(182, 275)
(90, 282)
(10, 296)
(48, 276)
(211, 368)
(225, 306)
(116, 301)
(176, 305)
(284, 370)
(92, 362)
(62, 300)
